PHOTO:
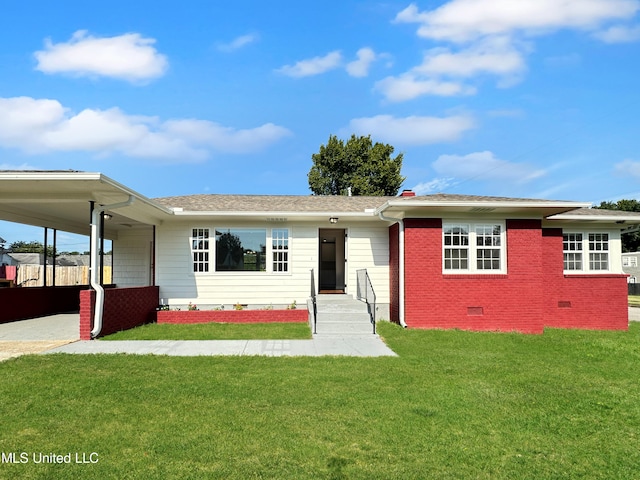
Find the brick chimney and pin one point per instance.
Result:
(408, 193)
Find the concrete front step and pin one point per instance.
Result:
(342, 315)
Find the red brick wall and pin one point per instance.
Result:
(533, 294)
(19, 303)
(510, 302)
(581, 301)
(233, 316)
(394, 269)
(124, 308)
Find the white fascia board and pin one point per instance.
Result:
(48, 175)
(485, 203)
(595, 218)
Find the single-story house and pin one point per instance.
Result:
(435, 261)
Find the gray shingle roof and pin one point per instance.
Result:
(272, 203)
(312, 203)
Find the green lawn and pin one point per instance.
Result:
(453, 405)
(215, 331)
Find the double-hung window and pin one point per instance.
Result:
(200, 249)
(572, 249)
(585, 252)
(280, 249)
(473, 247)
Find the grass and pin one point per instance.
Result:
(215, 331)
(634, 300)
(454, 404)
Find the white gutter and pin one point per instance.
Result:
(400, 265)
(95, 247)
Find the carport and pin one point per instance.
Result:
(84, 203)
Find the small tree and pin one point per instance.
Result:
(630, 241)
(365, 167)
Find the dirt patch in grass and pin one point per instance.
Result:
(16, 348)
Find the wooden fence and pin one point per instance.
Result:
(33, 275)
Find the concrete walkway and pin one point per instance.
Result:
(352, 346)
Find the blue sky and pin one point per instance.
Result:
(527, 98)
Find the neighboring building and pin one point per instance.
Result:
(435, 261)
(631, 266)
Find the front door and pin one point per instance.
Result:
(332, 260)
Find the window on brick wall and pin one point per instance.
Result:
(572, 249)
(200, 249)
(473, 247)
(578, 245)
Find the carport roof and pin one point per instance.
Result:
(60, 199)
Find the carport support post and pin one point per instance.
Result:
(96, 233)
(44, 257)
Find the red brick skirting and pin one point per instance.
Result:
(232, 316)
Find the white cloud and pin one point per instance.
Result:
(412, 130)
(489, 39)
(127, 57)
(485, 166)
(313, 66)
(360, 67)
(42, 126)
(237, 43)
(627, 168)
(409, 86)
(433, 186)
(466, 20)
(619, 34)
(495, 55)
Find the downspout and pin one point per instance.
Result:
(96, 233)
(400, 265)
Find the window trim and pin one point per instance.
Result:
(586, 252)
(472, 247)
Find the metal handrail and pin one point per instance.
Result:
(365, 292)
(313, 302)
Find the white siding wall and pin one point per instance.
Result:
(367, 247)
(132, 258)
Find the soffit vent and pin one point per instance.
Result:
(276, 219)
(481, 209)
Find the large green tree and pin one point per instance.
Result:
(358, 163)
(630, 241)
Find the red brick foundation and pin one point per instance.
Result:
(232, 316)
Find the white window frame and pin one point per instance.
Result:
(472, 248)
(594, 245)
(629, 261)
(280, 242)
(201, 256)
